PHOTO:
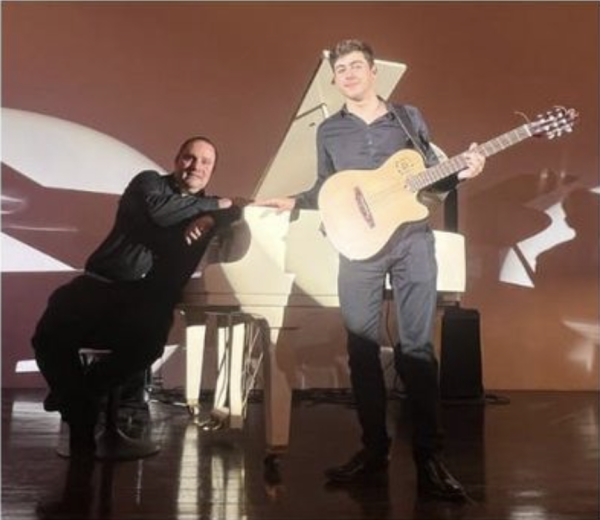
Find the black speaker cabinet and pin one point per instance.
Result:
(460, 363)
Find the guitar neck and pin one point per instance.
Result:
(449, 167)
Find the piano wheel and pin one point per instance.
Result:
(193, 409)
(272, 476)
(271, 460)
(211, 424)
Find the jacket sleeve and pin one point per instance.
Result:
(227, 217)
(163, 206)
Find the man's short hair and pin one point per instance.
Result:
(193, 139)
(347, 46)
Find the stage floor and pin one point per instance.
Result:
(528, 455)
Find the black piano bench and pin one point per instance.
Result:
(111, 442)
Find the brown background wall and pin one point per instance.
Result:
(151, 73)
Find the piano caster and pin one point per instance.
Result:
(193, 409)
(274, 486)
(218, 420)
(210, 425)
(272, 460)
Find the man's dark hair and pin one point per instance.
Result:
(347, 46)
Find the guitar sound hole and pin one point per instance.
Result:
(363, 207)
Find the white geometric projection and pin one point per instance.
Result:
(19, 257)
(60, 154)
(56, 153)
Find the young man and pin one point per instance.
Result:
(124, 301)
(362, 136)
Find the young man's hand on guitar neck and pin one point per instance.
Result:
(475, 162)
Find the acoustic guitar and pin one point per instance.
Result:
(361, 209)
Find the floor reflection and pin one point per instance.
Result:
(537, 457)
(372, 495)
(76, 498)
(274, 486)
(212, 476)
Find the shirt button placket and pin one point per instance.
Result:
(370, 145)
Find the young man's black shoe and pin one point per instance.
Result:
(436, 482)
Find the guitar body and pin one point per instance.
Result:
(361, 209)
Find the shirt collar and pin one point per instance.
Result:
(391, 113)
(173, 183)
(175, 186)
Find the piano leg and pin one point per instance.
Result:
(237, 346)
(277, 393)
(199, 337)
(195, 341)
(220, 411)
(235, 341)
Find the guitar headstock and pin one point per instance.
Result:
(554, 123)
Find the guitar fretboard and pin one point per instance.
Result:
(440, 171)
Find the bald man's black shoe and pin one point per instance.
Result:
(363, 464)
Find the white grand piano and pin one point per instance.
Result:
(267, 296)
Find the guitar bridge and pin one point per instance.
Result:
(363, 207)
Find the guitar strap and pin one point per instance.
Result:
(404, 121)
(430, 198)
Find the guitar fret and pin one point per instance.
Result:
(440, 171)
(363, 207)
(504, 141)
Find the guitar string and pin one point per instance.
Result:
(414, 182)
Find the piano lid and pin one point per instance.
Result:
(294, 167)
(269, 258)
